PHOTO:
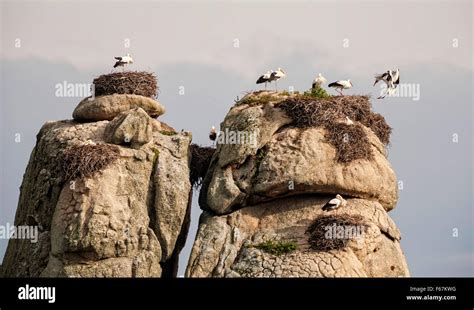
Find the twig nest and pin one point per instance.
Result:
(133, 128)
(130, 82)
(108, 107)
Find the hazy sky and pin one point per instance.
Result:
(216, 50)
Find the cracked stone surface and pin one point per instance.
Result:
(124, 221)
(225, 245)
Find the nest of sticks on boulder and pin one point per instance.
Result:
(200, 161)
(333, 232)
(130, 82)
(350, 141)
(82, 161)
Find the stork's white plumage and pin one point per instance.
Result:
(122, 61)
(335, 203)
(89, 142)
(318, 81)
(276, 75)
(341, 85)
(265, 78)
(395, 78)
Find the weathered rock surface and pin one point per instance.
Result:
(123, 221)
(225, 245)
(288, 157)
(274, 188)
(133, 128)
(108, 107)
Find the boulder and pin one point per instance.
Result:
(230, 245)
(263, 201)
(108, 107)
(126, 220)
(284, 160)
(134, 128)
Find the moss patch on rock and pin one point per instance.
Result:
(168, 132)
(277, 248)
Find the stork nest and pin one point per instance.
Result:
(200, 161)
(82, 161)
(333, 232)
(129, 82)
(351, 141)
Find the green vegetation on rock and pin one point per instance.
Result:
(277, 247)
(168, 132)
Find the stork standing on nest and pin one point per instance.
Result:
(276, 75)
(341, 85)
(335, 203)
(122, 61)
(213, 135)
(265, 78)
(318, 81)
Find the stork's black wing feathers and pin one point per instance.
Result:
(262, 79)
(334, 84)
(118, 58)
(328, 206)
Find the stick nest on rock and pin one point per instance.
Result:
(333, 232)
(130, 82)
(350, 141)
(200, 161)
(82, 161)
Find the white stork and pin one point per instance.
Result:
(341, 85)
(265, 78)
(335, 203)
(318, 81)
(276, 75)
(213, 134)
(122, 61)
(391, 78)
